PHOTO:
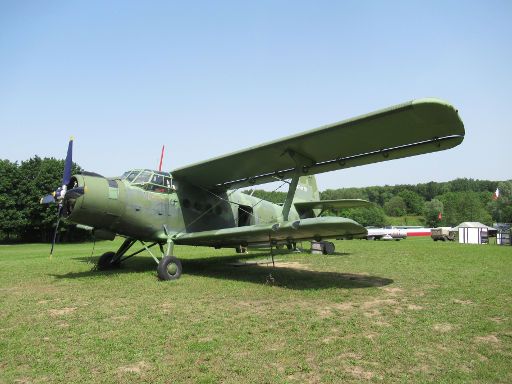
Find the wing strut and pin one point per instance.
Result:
(291, 194)
(302, 164)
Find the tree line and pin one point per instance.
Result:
(431, 204)
(23, 218)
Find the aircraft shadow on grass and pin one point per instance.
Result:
(293, 275)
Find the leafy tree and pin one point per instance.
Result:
(414, 202)
(275, 197)
(38, 177)
(11, 218)
(395, 206)
(371, 216)
(464, 206)
(431, 212)
(502, 207)
(343, 193)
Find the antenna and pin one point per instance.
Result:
(161, 159)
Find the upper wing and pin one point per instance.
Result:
(417, 127)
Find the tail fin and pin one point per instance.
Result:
(307, 189)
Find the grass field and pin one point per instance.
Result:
(408, 311)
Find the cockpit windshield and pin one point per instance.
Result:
(147, 179)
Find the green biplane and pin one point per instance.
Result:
(201, 204)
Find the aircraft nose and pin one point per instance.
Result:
(92, 200)
(76, 189)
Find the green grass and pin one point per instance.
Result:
(408, 311)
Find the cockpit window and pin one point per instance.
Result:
(132, 175)
(153, 181)
(143, 177)
(157, 179)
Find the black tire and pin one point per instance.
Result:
(329, 248)
(169, 268)
(105, 261)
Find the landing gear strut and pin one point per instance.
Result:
(169, 266)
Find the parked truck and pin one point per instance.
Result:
(443, 234)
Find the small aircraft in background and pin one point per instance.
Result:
(201, 204)
(386, 233)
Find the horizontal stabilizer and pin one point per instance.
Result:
(306, 229)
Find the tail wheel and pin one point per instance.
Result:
(105, 261)
(169, 268)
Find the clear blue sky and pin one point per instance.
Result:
(206, 78)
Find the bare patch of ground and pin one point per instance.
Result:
(327, 311)
(487, 339)
(343, 306)
(137, 368)
(62, 311)
(382, 323)
(443, 327)
(293, 265)
(463, 302)
(350, 356)
(23, 381)
(392, 290)
(360, 373)
(414, 307)
(378, 303)
(423, 368)
(62, 324)
(371, 335)
(372, 313)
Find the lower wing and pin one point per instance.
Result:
(306, 229)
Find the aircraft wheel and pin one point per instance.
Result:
(169, 268)
(105, 261)
(329, 248)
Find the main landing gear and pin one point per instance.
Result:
(169, 266)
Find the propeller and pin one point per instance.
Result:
(58, 195)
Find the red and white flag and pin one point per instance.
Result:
(496, 194)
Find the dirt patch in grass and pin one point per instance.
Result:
(443, 327)
(62, 311)
(372, 313)
(137, 368)
(498, 320)
(293, 265)
(492, 339)
(414, 307)
(360, 373)
(463, 302)
(378, 303)
(392, 290)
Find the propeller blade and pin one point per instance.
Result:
(48, 199)
(56, 230)
(66, 178)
